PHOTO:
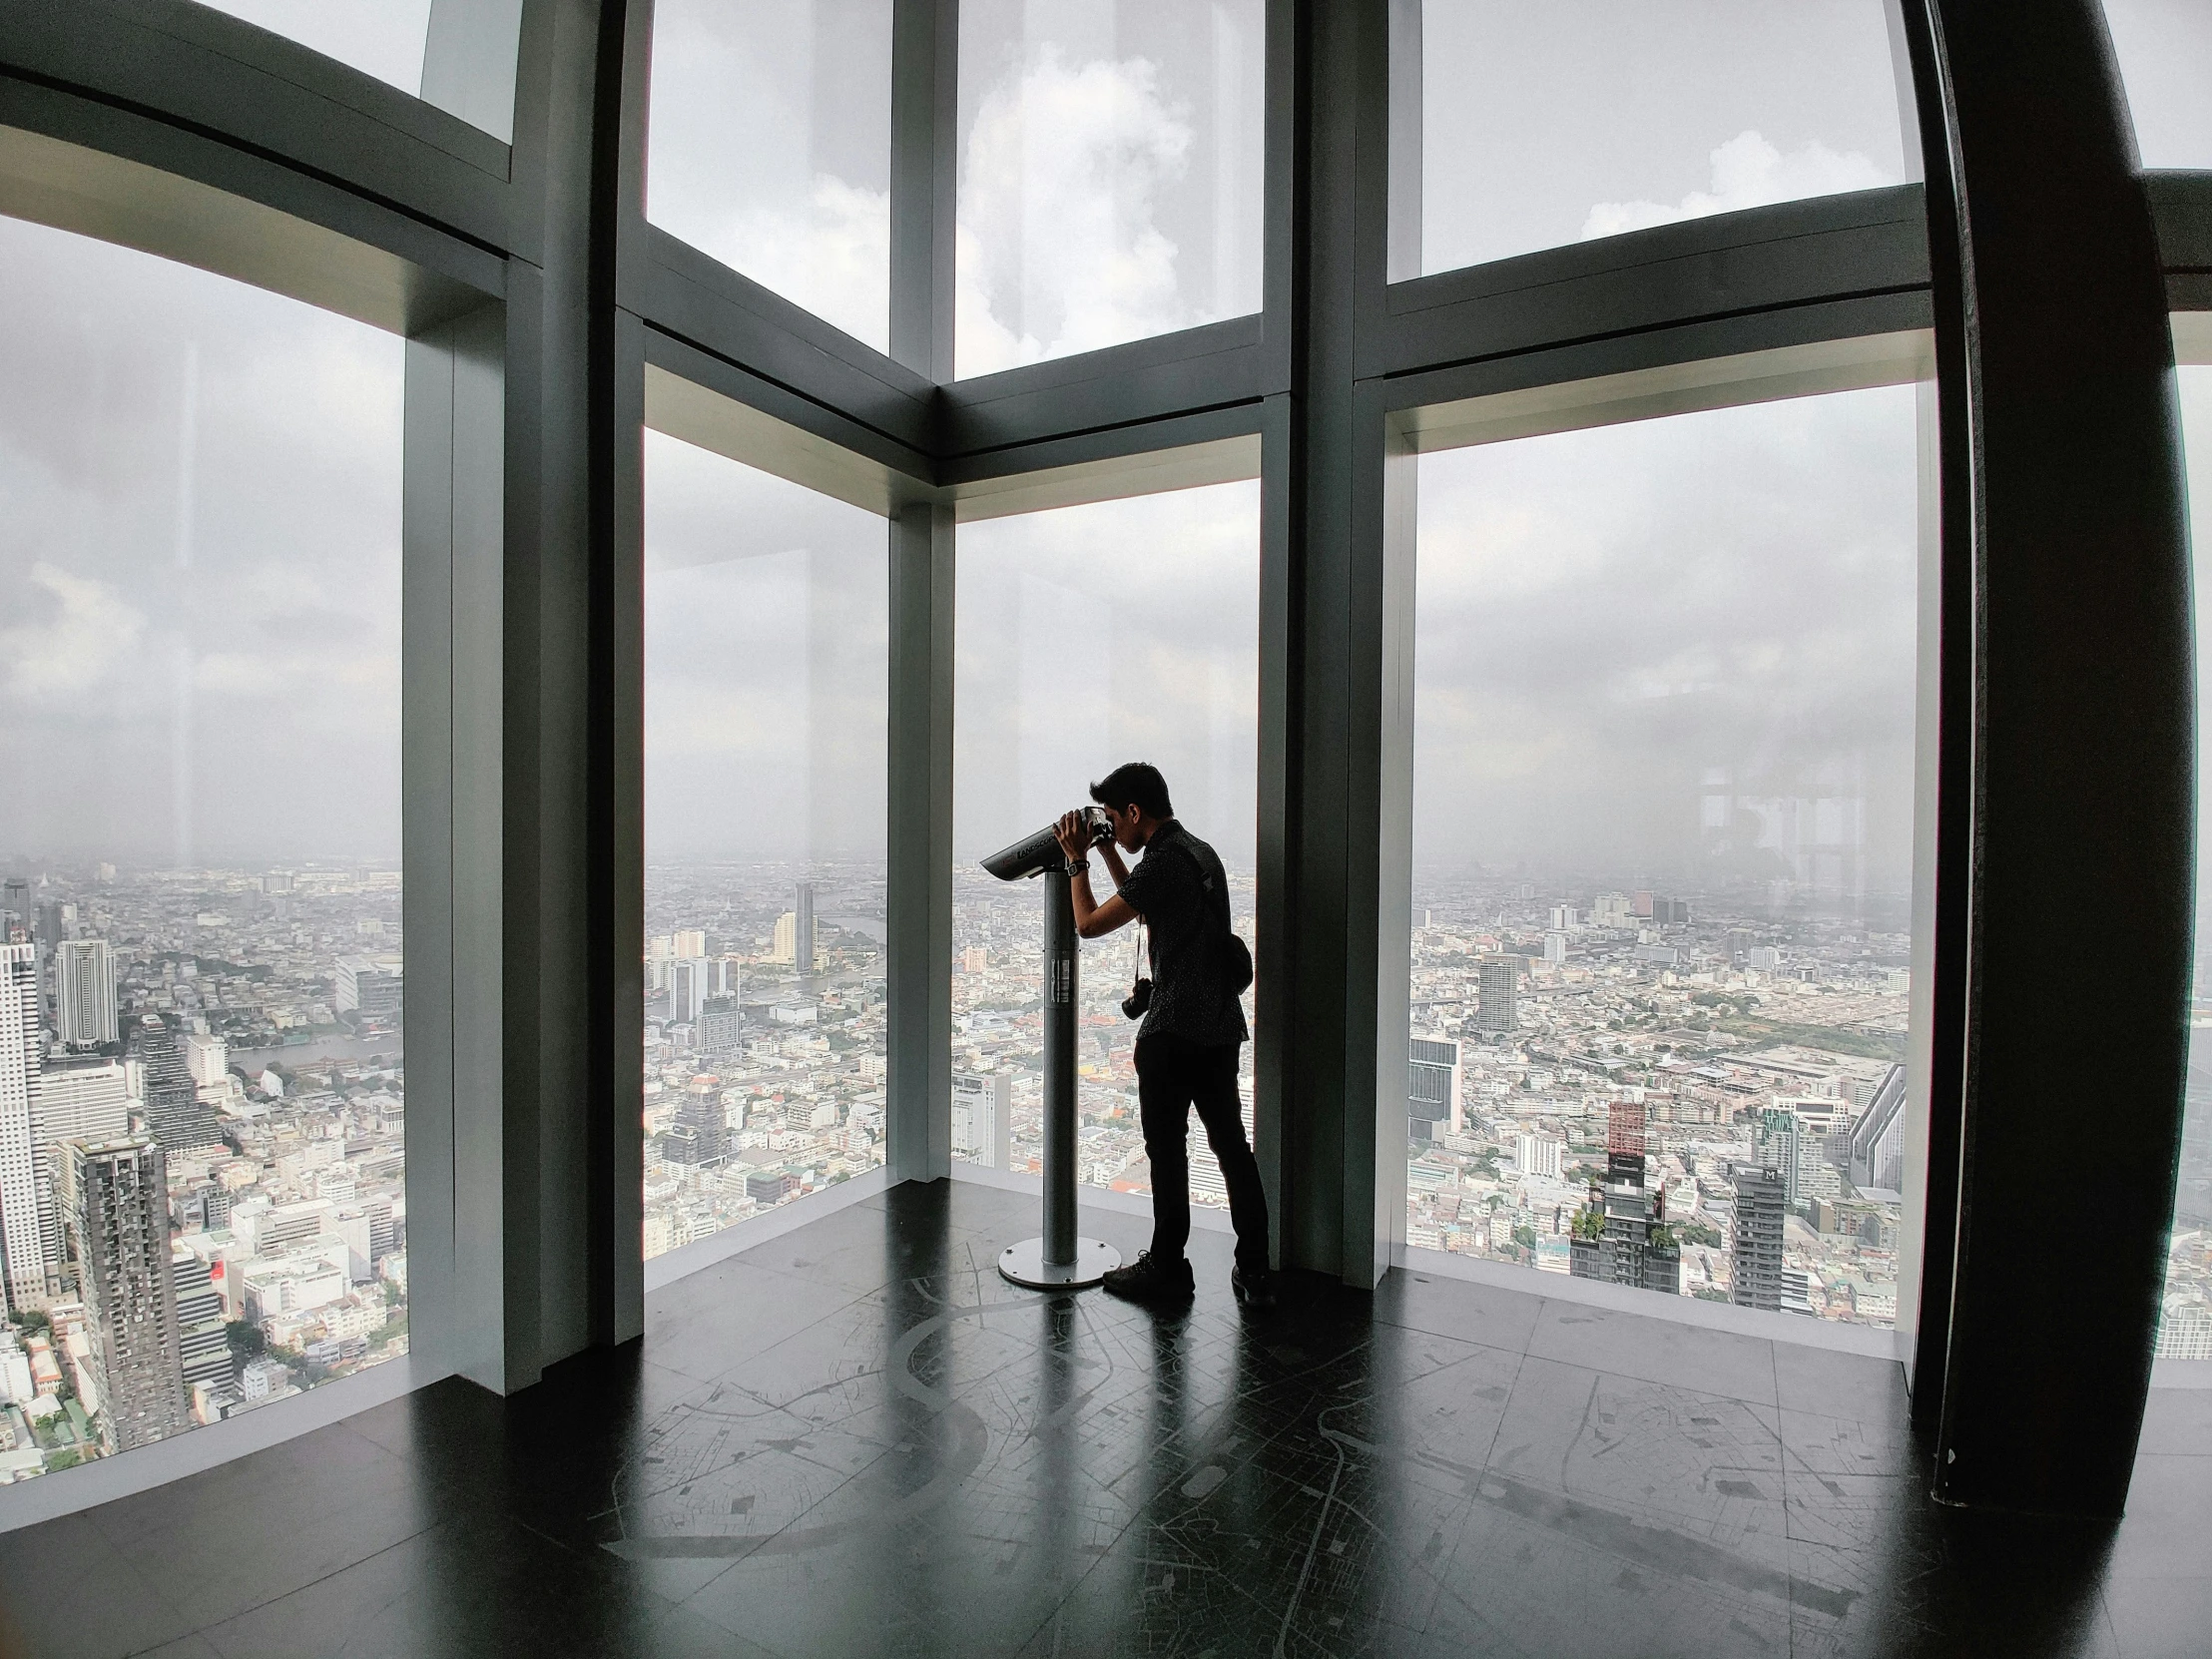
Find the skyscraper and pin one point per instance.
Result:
(202, 1345)
(1500, 1006)
(175, 1113)
(84, 992)
(1756, 1269)
(371, 989)
(15, 908)
(687, 990)
(118, 1214)
(1780, 1143)
(803, 932)
(982, 1117)
(26, 1226)
(80, 1097)
(1877, 1139)
(1431, 1086)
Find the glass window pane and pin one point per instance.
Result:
(202, 970)
(1664, 731)
(771, 147)
(2186, 1330)
(1085, 637)
(1553, 124)
(383, 38)
(2166, 53)
(1110, 173)
(766, 693)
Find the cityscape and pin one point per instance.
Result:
(766, 1039)
(203, 1121)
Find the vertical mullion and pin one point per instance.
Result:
(925, 40)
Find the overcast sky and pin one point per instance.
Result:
(1616, 624)
(1093, 635)
(771, 146)
(767, 652)
(1545, 123)
(383, 38)
(199, 563)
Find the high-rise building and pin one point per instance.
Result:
(686, 991)
(1498, 1007)
(1755, 1260)
(80, 1097)
(372, 991)
(117, 1216)
(688, 942)
(202, 1345)
(720, 1026)
(26, 1220)
(207, 1057)
(1555, 946)
(982, 1117)
(84, 992)
(1431, 1086)
(175, 1113)
(803, 943)
(1779, 1143)
(784, 948)
(15, 910)
(1539, 1155)
(1878, 1138)
(1670, 912)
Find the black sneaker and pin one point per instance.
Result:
(1255, 1290)
(1149, 1279)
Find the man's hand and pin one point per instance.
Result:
(1074, 834)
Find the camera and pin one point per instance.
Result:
(1034, 854)
(1133, 1005)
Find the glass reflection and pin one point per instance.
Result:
(767, 691)
(771, 146)
(1549, 125)
(1085, 637)
(1663, 852)
(1110, 173)
(202, 1202)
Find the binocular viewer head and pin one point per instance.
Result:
(1034, 854)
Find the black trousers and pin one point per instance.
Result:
(1173, 1075)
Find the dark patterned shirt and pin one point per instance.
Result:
(1181, 890)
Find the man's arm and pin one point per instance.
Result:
(1113, 867)
(1093, 919)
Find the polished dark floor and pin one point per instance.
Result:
(855, 1440)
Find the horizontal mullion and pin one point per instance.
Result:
(209, 75)
(100, 171)
(1702, 341)
(792, 408)
(678, 290)
(1220, 365)
(1765, 258)
(1130, 441)
(2181, 207)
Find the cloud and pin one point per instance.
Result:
(831, 255)
(1606, 615)
(1748, 172)
(1059, 250)
(92, 632)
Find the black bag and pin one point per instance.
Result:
(1232, 957)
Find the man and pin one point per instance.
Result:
(1187, 1047)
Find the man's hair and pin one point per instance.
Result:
(1135, 782)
